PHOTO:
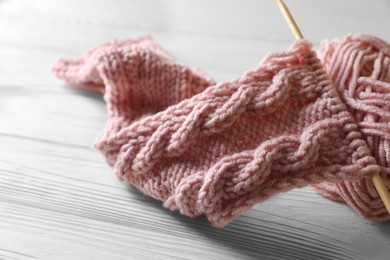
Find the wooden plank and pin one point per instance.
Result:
(59, 199)
(80, 202)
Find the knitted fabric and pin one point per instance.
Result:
(359, 66)
(136, 75)
(235, 144)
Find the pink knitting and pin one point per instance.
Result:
(359, 66)
(278, 127)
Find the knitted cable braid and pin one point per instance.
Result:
(234, 144)
(359, 66)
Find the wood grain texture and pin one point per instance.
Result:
(58, 198)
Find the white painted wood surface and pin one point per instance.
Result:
(59, 200)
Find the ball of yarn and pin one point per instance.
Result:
(218, 150)
(359, 66)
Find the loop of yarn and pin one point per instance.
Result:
(359, 66)
(218, 149)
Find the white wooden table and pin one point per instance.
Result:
(59, 199)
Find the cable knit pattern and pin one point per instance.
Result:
(235, 144)
(359, 66)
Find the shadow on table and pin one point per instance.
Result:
(383, 227)
(85, 93)
(256, 235)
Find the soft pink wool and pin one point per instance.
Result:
(359, 66)
(235, 144)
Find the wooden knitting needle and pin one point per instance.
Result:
(290, 20)
(376, 178)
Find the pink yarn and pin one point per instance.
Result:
(277, 127)
(136, 76)
(359, 65)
